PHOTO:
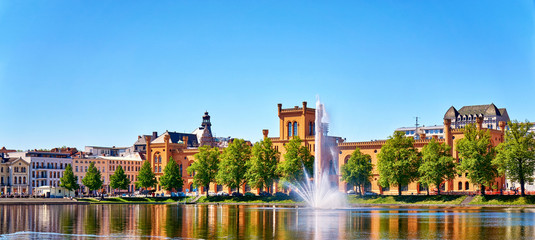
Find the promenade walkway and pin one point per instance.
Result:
(39, 201)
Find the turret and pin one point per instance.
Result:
(185, 140)
(447, 132)
(149, 154)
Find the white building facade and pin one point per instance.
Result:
(46, 168)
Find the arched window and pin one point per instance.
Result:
(289, 129)
(466, 186)
(460, 186)
(295, 128)
(157, 157)
(24, 179)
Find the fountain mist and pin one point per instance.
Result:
(322, 191)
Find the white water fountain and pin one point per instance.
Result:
(322, 191)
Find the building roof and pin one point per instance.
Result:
(4, 150)
(424, 128)
(131, 157)
(141, 140)
(12, 160)
(489, 109)
(475, 110)
(451, 113)
(175, 137)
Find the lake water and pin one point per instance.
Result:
(250, 222)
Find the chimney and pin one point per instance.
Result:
(279, 108)
(422, 136)
(304, 107)
(501, 124)
(185, 140)
(265, 133)
(154, 135)
(138, 137)
(479, 122)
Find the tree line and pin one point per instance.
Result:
(400, 163)
(259, 166)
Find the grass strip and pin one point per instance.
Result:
(503, 200)
(407, 199)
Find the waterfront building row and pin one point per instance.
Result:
(46, 168)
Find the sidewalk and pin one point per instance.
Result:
(39, 201)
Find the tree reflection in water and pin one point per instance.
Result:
(244, 222)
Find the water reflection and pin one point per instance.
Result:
(243, 222)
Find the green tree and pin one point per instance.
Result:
(172, 177)
(92, 179)
(398, 161)
(232, 166)
(262, 168)
(437, 165)
(69, 181)
(358, 169)
(119, 180)
(476, 155)
(516, 155)
(205, 167)
(146, 178)
(295, 158)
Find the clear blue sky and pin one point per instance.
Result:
(80, 73)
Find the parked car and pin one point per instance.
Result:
(351, 192)
(370, 194)
(222, 193)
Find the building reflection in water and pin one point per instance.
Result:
(243, 222)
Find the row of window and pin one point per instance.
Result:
(126, 168)
(292, 132)
(157, 158)
(112, 162)
(44, 174)
(16, 180)
(36, 165)
(428, 131)
(293, 129)
(52, 183)
(434, 131)
(15, 169)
